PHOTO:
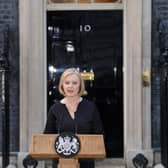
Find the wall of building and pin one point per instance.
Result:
(137, 128)
(9, 16)
(159, 17)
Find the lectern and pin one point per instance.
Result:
(42, 147)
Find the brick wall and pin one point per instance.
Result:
(9, 15)
(160, 13)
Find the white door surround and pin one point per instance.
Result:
(137, 58)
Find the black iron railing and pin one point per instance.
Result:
(163, 45)
(164, 111)
(4, 98)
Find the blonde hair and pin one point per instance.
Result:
(68, 72)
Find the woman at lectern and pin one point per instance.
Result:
(73, 113)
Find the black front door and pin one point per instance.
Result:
(91, 41)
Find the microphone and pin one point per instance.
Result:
(60, 123)
(76, 125)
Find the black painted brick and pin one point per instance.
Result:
(9, 16)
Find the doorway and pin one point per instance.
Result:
(91, 41)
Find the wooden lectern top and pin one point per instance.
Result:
(42, 146)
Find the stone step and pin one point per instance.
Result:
(101, 163)
(110, 166)
(110, 163)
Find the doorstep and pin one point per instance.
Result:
(110, 163)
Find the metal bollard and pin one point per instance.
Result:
(29, 161)
(140, 161)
